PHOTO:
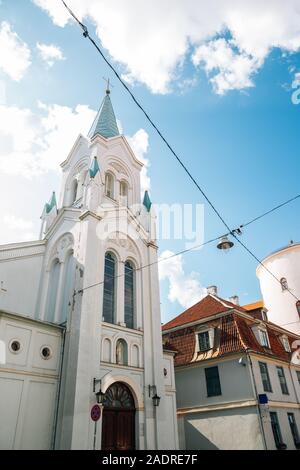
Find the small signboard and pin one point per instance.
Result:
(96, 413)
(263, 399)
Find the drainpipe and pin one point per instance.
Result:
(59, 388)
(261, 424)
(294, 387)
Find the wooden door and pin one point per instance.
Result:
(118, 424)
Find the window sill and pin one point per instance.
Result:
(123, 328)
(200, 351)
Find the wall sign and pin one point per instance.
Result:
(96, 413)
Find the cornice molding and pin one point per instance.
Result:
(11, 252)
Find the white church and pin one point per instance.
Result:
(80, 316)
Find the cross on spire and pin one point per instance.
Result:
(108, 85)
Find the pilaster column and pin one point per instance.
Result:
(57, 315)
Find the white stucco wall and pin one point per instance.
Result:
(20, 272)
(171, 422)
(28, 384)
(284, 426)
(191, 384)
(236, 429)
(276, 394)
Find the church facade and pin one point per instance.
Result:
(80, 312)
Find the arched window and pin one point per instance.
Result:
(298, 307)
(109, 288)
(122, 352)
(74, 188)
(124, 193)
(106, 350)
(109, 185)
(52, 291)
(135, 356)
(68, 287)
(129, 295)
(284, 284)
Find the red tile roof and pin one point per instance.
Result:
(230, 340)
(184, 341)
(233, 332)
(207, 307)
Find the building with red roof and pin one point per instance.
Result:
(237, 377)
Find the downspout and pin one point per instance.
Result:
(59, 389)
(261, 425)
(294, 387)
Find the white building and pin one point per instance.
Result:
(238, 385)
(82, 303)
(281, 298)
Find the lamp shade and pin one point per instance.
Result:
(156, 400)
(225, 244)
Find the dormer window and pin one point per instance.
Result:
(284, 284)
(286, 344)
(264, 315)
(205, 340)
(264, 338)
(109, 185)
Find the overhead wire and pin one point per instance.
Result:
(233, 232)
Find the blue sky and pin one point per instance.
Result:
(241, 144)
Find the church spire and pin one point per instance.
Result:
(105, 123)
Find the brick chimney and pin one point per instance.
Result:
(212, 290)
(234, 300)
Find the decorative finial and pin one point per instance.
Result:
(147, 201)
(94, 168)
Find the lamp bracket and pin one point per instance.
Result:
(152, 390)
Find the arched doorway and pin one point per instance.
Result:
(118, 425)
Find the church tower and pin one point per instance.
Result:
(100, 281)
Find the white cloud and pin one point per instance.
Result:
(14, 229)
(232, 70)
(14, 53)
(184, 288)
(50, 53)
(34, 143)
(153, 39)
(139, 143)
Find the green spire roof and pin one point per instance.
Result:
(52, 203)
(147, 201)
(105, 123)
(94, 168)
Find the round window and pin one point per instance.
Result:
(15, 346)
(46, 352)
